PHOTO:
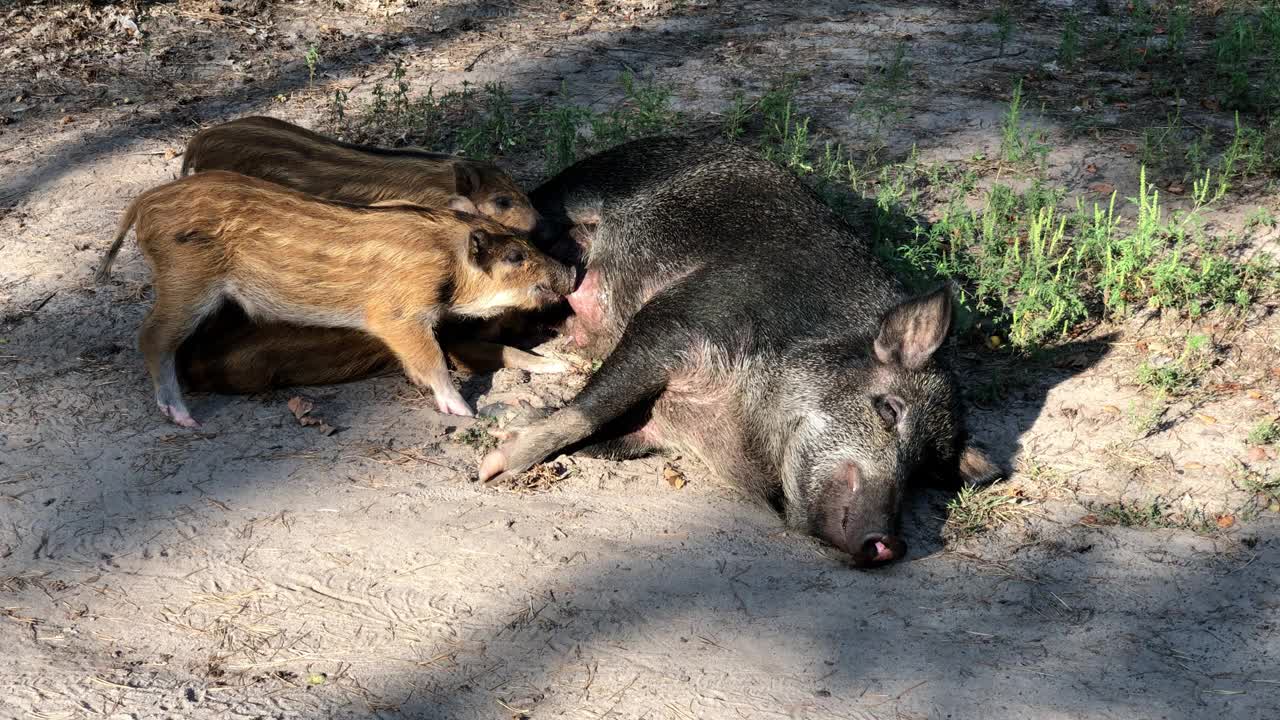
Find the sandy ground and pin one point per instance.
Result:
(259, 568)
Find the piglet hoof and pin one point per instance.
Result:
(492, 467)
(180, 416)
(453, 404)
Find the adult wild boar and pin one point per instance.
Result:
(741, 321)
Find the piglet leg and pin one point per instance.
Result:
(415, 344)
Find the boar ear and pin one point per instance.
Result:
(971, 469)
(911, 332)
(463, 204)
(976, 468)
(466, 179)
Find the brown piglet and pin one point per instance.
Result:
(293, 156)
(393, 272)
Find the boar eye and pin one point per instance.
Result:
(890, 408)
(515, 257)
(502, 202)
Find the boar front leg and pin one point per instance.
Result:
(635, 373)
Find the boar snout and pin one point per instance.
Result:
(857, 518)
(878, 549)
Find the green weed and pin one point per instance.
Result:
(1019, 143)
(975, 510)
(313, 61)
(478, 435)
(1003, 20)
(1069, 47)
(1147, 420)
(645, 110)
(882, 103)
(1180, 375)
(1266, 432)
(1150, 514)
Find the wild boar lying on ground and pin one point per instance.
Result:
(742, 322)
(393, 272)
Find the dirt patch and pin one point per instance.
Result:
(263, 567)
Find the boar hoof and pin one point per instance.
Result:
(492, 467)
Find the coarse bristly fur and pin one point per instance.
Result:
(743, 322)
(298, 158)
(282, 255)
(234, 355)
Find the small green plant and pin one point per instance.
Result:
(1176, 32)
(313, 61)
(1266, 432)
(882, 103)
(1156, 513)
(1147, 420)
(1179, 376)
(1069, 46)
(1019, 143)
(645, 110)
(786, 133)
(1260, 217)
(975, 510)
(1264, 489)
(736, 117)
(497, 130)
(478, 435)
(560, 125)
(1003, 20)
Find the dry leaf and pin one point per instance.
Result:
(1091, 169)
(1177, 189)
(674, 477)
(1111, 409)
(1207, 419)
(1089, 520)
(1226, 521)
(1128, 148)
(1192, 466)
(1211, 104)
(301, 409)
(1254, 394)
(300, 406)
(1257, 454)
(170, 153)
(1102, 188)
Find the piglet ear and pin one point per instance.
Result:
(462, 203)
(466, 179)
(478, 245)
(911, 332)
